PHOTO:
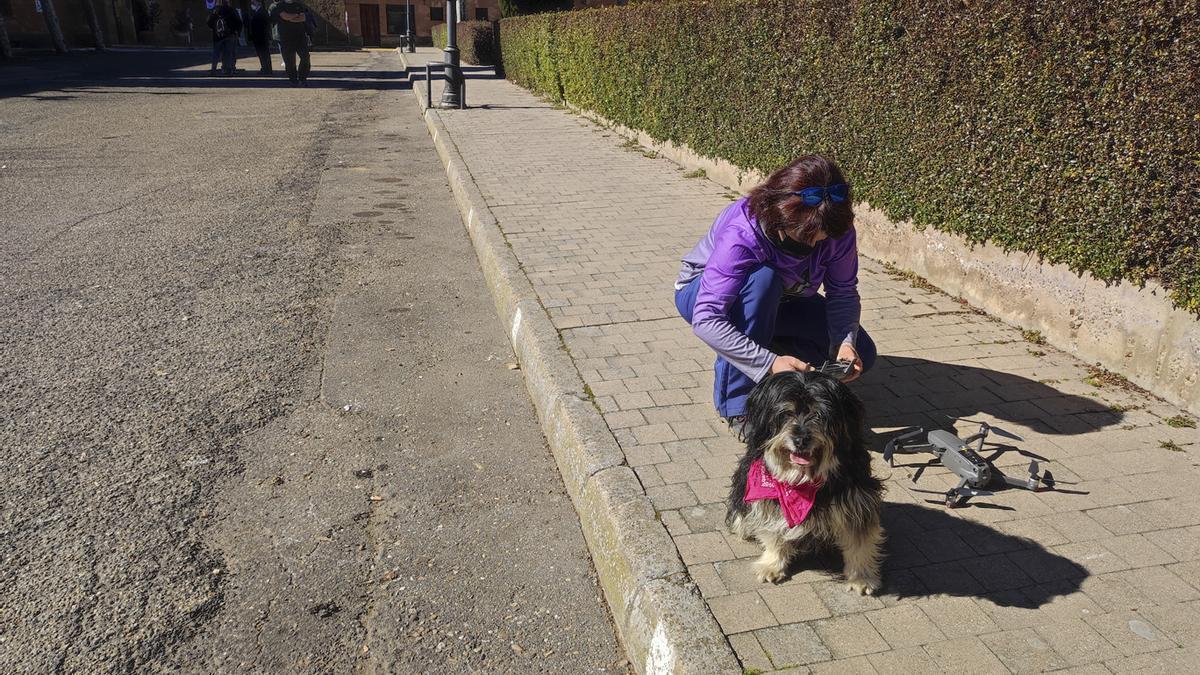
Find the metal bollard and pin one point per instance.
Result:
(428, 85)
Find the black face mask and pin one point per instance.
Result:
(793, 248)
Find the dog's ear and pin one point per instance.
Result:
(846, 416)
(765, 405)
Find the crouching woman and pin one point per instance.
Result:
(749, 288)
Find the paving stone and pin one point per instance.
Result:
(1180, 621)
(750, 653)
(948, 578)
(1167, 662)
(648, 476)
(957, 617)
(899, 587)
(904, 626)
(1113, 593)
(1159, 585)
(1182, 543)
(674, 523)
(996, 572)
(850, 635)
(839, 601)
(1188, 571)
(1130, 633)
(1062, 601)
(741, 547)
(703, 548)
(792, 645)
(679, 472)
(707, 580)
(903, 662)
(741, 612)
(670, 497)
(943, 546)
(794, 603)
(859, 665)
(1077, 642)
(1023, 651)
(965, 655)
(1137, 550)
(710, 490)
(704, 517)
(1122, 519)
(1012, 609)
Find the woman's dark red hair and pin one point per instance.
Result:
(775, 208)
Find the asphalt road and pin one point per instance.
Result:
(257, 412)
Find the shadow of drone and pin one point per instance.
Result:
(929, 552)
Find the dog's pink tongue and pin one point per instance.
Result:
(797, 459)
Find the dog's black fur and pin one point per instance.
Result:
(817, 417)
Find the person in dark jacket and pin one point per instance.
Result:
(289, 19)
(225, 25)
(260, 36)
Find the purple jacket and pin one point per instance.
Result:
(735, 247)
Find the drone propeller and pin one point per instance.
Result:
(989, 428)
(1024, 453)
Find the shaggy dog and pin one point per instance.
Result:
(806, 477)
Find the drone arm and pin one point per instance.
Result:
(1030, 483)
(896, 444)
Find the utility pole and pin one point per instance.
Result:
(51, 17)
(94, 23)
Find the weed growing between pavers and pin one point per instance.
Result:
(1181, 422)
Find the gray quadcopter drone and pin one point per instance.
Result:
(975, 473)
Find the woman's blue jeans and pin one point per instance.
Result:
(797, 327)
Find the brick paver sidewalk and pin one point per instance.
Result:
(1102, 575)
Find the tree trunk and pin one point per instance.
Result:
(94, 22)
(56, 36)
(5, 46)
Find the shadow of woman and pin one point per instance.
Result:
(902, 391)
(929, 552)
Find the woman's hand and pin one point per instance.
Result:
(783, 364)
(847, 353)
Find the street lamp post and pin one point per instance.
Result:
(408, 31)
(453, 75)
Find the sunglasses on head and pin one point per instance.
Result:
(813, 196)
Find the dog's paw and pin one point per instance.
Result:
(770, 575)
(863, 586)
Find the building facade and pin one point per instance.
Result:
(381, 23)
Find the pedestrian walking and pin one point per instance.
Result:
(260, 36)
(225, 25)
(749, 288)
(289, 21)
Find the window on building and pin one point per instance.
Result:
(437, 13)
(396, 25)
(481, 14)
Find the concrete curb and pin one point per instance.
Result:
(664, 623)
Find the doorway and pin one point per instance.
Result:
(368, 18)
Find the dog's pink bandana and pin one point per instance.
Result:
(794, 500)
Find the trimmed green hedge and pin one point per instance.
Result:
(1065, 128)
(476, 42)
